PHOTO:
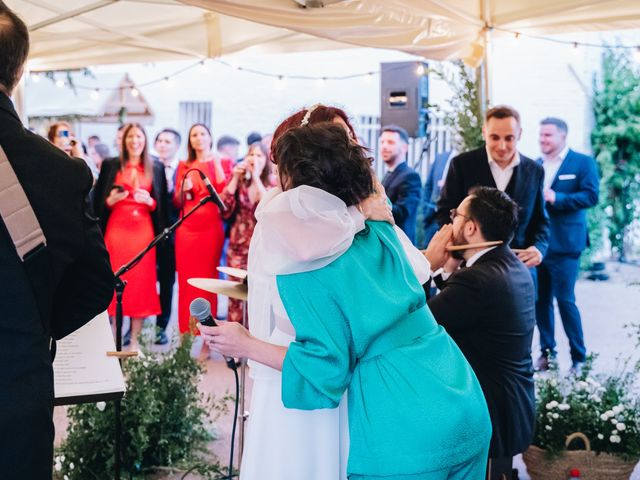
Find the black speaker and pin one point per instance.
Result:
(404, 87)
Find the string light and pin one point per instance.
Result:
(35, 77)
(135, 92)
(420, 70)
(60, 83)
(95, 94)
(320, 83)
(368, 78)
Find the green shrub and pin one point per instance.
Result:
(165, 421)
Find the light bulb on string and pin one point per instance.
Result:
(320, 82)
(368, 78)
(59, 83)
(95, 94)
(35, 77)
(420, 70)
(636, 54)
(168, 82)
(135, 92)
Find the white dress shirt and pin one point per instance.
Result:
(501, 176)
(551, 166)
(169, 172)
(474, 258)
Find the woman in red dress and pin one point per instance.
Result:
(250, 181)
(130, 227)
(200, 238)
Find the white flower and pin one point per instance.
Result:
(614, 439)
(66, 477)
(617, 409)
(62, 458)
(620, 426)
(101, 406)
(604, 417)
(564, 406)
(614, 432)
(555, 415)
(614, 421)
(58, 466)
(547, 427)
(553, 382)
(600, 436)
(71, 466)
(583, 385)
(551, 404)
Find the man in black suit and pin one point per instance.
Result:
(499, 165)
(488, 308)
(166, 146)
(570, 188)
(401, 182)
(56, 289)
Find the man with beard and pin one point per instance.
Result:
(488, 308)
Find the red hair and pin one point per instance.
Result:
(320, 113)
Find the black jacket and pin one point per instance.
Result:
(404, 188)
(489, 310)
(471, 169)
(108, 172)
(73, 282)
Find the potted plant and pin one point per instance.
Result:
(599, 414)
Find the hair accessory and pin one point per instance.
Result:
(307, 116)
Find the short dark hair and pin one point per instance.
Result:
(323, 156)
(173, 132)
(494, 212)
(14, 47)
(225, 140)
(502, 111)
(253, 137)
(404, 136)
(559, 123)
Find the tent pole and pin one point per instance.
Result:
(485, 78)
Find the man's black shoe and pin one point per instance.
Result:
(161, 338)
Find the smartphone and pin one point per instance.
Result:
(118, 188)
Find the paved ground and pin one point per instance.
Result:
(606, 307)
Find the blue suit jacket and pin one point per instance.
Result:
(403, 187)
(576, 185)
(432, 190)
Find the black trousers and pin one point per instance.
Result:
(166, 260)
(500, 468)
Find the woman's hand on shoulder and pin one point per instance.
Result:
(377, 206)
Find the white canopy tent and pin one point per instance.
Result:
(76, 33)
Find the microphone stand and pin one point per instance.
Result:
(119, 288)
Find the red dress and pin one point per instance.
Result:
(130, 229)
(199, 241)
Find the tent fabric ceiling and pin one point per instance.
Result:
(79, 33)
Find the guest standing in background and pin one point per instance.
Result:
(200, 238)
(166, 146)
(250, 181)
(130, 199)
(401, 182)
(570, 187)
(432, 189)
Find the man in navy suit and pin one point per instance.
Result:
(570, 187)
(500, 165)
(401, 182)
(432, 189)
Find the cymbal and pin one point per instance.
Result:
(234, 272)
(235, 290)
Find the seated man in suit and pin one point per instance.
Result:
(488, 308)
(570, 188)
(500, 165)
(401, 182)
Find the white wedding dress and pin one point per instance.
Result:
(282, 443)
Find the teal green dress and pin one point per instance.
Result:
(362, 324)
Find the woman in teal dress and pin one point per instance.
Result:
(416, 410)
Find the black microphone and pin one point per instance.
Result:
(200, 309)
(212, 192)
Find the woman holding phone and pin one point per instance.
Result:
(130, 199)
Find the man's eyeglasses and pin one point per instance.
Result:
(453, 213)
